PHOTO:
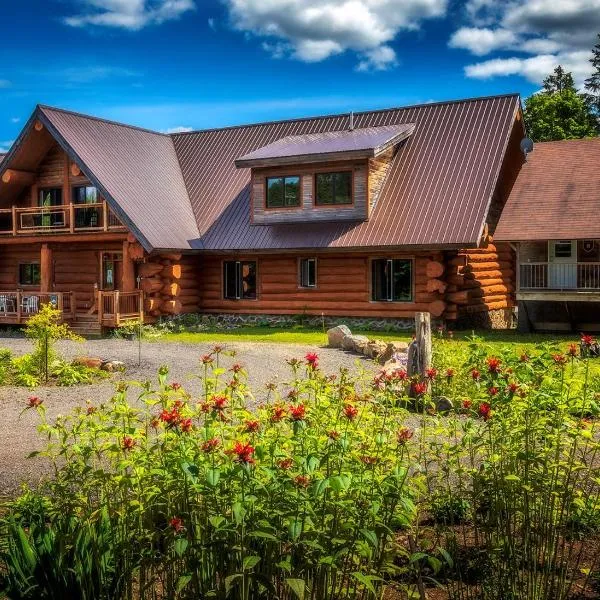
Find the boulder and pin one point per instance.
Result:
(391, 349)
(393, 365)
(374, 348)
(336, 335)
(443, 404)
(89, 362)
(354, 342)
(113, 365)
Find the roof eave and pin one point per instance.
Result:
(303, 159)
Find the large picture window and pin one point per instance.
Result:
(283, 192)
(308, 272)
(86, 217)
(29, 274)
(239, 280)
(391, 280)
(333, 188)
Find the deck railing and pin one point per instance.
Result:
(17, 307)
(65, 218)
(116, 308)
(559, 276)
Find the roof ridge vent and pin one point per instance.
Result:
(351, 119)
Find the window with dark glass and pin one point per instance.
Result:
(239, 280)
(86, 217)
(333, 188)
(49, 197)
(308, 272)
(29, 274)
(391, 280)
(283, 192)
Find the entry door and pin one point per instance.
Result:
(562, 264)
(111, 271)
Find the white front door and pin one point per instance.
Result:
(562, 264)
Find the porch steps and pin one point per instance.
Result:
(86, 326)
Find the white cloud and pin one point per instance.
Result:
(314, 30)
(481, 41)
(212, 23)
(179, 129)
(15, 120)
(128, 14)
(552, 31)
(90, 73)
(5, 146)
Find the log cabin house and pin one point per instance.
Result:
(552, 223)
(375, 214)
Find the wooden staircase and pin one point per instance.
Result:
(86, 325)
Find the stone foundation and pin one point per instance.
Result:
(502, 318)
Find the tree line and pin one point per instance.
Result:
(560, 111)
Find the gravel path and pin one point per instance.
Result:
(18, 434)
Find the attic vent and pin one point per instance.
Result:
(351, 125)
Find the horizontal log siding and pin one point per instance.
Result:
(191, 282)
(308, 211)
(343, 286)
(10, 258)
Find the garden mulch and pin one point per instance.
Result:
(18, 431)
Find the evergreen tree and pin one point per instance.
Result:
(559, 112)
(592, 84)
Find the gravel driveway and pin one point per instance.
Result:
(18, 435)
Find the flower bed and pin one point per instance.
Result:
(332, 488)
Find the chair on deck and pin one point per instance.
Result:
(30, 304)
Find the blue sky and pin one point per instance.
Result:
(167, 64)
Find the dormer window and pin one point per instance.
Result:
(333, 188)
(283, 192)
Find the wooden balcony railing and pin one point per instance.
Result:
(65, 218)
(17, 307)
(559, 276)
(116, 308)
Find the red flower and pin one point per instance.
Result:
(175, 386)
(476, 375)
(431, 373)
(450, 373)
(493, 364)
(34, 402)
(400, 374)
(587, 340)
(368, 460)
(513, 387)
(186, 425)
(278, 413)
(217, 349)
(333, 435)
(127, 443)
(219, 403)
(404, 434)
(493, 391)
(170, 417)
(466, 404)
(236, 368)
(559, 359)
(210, 445)
(251, 426)
(91, 410)
(177, 524)
(350, 412)
(524, 358)
(302, 481)
(297, 412)
(312, 360)
(485, 411)
(271, 386)
(286, 463)
(244, 453)
(419, 388)
(572, 350)
(207, 359)
(155, 423)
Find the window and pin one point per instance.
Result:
(283, 192)
(29, 274)
(391, 280)
(50, 197)
(308, 272)
(239, 280)
(333, 188)
(55, 218)
(85, 194)
(86, 217)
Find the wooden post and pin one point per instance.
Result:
(128, 275)
(419, 354)
(46, 268)
(105, 215)
(14, 220)
(71, 217)
(117, 308)
(100, 304)
(19, 299)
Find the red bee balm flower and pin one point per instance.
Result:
(278, 413)
(485, 411)
(419, 388)
(312, 360)
(466, 404)
(587, 340)
(236, 368)
(572, 350)
(350, 412)
(175, 386)
(286, 463)
(127, 443)
(431, 373)
(34, 402)
(493, 391)
(333, 435)
(210, 445)
(91, 410)
(297, 412)
(513, 387)
(493, 364)
(302, 481)
(524, 358)
(450, 373)
(559, 359)
(177, 524)
(251, 426)
(399, 374)
(244, 453)
(186, 425)
(207, 359)
(404, 434)
(476, 375)
(219, 403)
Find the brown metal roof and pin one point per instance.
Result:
(556, 195)
(437, 190)
(136, 168)
(359, 143)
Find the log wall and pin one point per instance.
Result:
(343, 286)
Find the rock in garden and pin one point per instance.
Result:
(336, 335)
(391, 349)
(89, 362)
(443, 404)
(375, 348)
(359, 341)
(113, 365)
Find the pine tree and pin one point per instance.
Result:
(559, 81)
(592, 84)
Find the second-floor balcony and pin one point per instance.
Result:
(64, 218)
(560, 276)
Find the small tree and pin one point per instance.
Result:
(592, 84)
(46, 329)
